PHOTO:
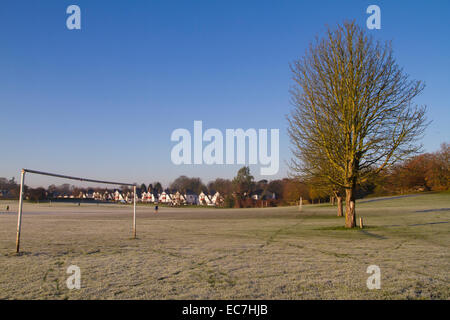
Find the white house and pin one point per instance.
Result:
(97, 196)
(164, 198)
(205, 199)
(178, 199)
(148, 197)
(108, 196)
(217, 199)
(129, 198)
(118, 196)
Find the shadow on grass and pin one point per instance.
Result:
(433, 210)
(357, 229)
(342, 228)
(18, 254)
(316, 216)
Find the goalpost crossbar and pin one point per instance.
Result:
(76, 178)
(22, 181)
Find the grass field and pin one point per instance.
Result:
(270, 253)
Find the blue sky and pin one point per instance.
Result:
(103, 101)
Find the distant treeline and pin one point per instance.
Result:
(424, 172)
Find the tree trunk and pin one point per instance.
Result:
(339, 205)
(350, 214)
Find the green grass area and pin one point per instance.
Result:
(204, 253)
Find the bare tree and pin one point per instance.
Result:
(223, 186)
(353, 107)
(185, 184)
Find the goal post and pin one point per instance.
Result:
(22, 183)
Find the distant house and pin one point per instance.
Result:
(217, 199)
(262, 195)
(205, 199)
(191, 197)
(178, 199)
(107, 196)
(129, 197)
(118, 196)
(148, 197)
(164, 197)
(97, 196)
(256, 195)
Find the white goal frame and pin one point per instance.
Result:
(22, 180)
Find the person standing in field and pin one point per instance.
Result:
(156, 208)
